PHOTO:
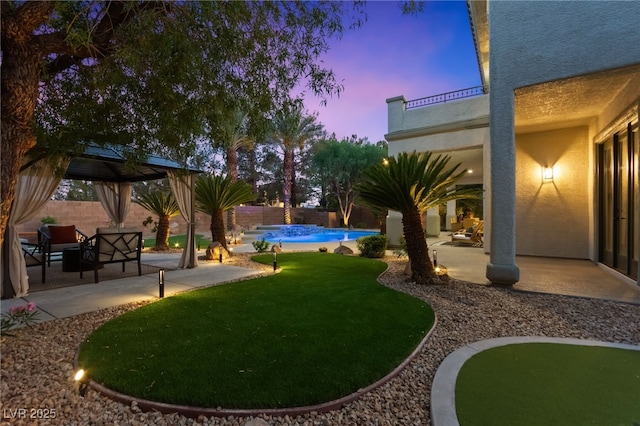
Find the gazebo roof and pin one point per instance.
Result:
(109, 164)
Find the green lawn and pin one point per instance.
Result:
(180, 239)
(549, 384)
(320, 329)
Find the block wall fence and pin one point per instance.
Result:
(89, 215)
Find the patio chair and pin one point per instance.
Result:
(111, 245)
(472, 235)
(56, 238)
(34, 256)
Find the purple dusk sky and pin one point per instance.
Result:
(394, 54)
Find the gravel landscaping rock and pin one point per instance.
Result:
(37, 385)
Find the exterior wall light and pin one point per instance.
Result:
(547, 174)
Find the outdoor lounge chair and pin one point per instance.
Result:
(472, 235)
(111, 245)
(56, 238)
(33, 256)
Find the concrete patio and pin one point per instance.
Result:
(580, 278)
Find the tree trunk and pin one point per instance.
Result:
(162, 233)
(421, 267)
(382, 221)
(287, 171)
(294, 190)
(232, 172)
(21, 70)
(217, 229)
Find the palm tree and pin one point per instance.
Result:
(292, 128)
(217, 194)
(163, 205)
(232, 136)
(412, 183)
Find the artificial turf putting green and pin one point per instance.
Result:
(320, 329)
(549, 384)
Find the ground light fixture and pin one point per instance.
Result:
(82, 382)
(275, 261)
(220, 256)
(437, 268)
(161, 283)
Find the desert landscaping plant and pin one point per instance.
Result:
(261, 245)
(215, 195)
(18, 316)
(412, 183)
(373, 246)
(163, 205)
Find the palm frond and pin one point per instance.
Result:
(159, 203)
(214, 193)
(413, 180)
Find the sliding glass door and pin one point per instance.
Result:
(618, 201)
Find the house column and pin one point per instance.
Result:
(451, 214)
(433, 222)
(502, 268)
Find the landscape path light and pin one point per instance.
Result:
(161, 283)
(82, 381)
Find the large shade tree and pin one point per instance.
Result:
(292, 127)
(215, 195)
(145, 74)
(339, 165)
(412, 183)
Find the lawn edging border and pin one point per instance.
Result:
(443, 403)
(194, 412)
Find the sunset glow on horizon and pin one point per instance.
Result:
(392, 55)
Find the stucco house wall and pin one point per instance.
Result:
(456, 125)
(553, 211)
(532, 43)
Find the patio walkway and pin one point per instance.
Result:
(580, 278)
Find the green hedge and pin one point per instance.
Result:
(373, 246)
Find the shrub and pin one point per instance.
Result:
(261, 246)
(323, 249)
(48, 220)
(401, 251)
(373, 246)
(17, 316)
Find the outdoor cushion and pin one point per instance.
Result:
(63, 234)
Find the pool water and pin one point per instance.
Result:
(313, 234)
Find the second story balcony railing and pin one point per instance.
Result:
(447, 97)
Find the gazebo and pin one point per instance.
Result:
(110, 170)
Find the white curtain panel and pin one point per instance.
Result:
(115, 198)
(35, 187)
(181, 186)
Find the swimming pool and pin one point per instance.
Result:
(313, 234)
